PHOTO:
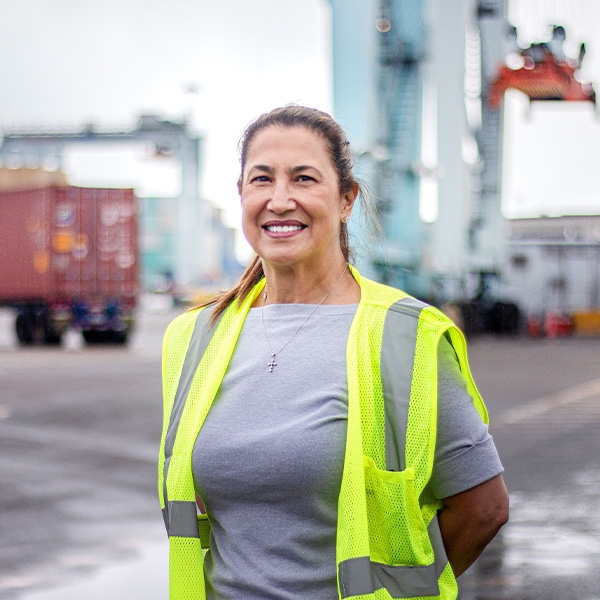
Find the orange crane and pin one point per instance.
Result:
(543, 73)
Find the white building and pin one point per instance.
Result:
(553, 264)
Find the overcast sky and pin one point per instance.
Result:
(64, 63)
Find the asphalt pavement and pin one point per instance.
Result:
(544, 401)
(79, 429)
(79, 433)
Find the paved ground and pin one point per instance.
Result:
(79, 431)
(544, 401)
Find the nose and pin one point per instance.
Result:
(281, 199)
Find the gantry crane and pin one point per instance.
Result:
(390, 56)
(168, 138)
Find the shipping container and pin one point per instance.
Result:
(69, 258)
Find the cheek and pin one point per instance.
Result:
(252, 203)
(249, 209)
(250, 233)
(249, 226)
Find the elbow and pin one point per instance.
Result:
(503, 512)
(498, 520)
(495, 513)
(470, 520)
(491, 510)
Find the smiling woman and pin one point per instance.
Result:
(292, 210)
(314, 164)
(343, 462)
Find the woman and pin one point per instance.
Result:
(327, 426)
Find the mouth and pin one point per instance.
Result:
(283, 228)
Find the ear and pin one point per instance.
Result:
(348, 199)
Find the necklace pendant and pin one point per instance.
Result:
(272, 364)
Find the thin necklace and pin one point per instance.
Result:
(272, 364)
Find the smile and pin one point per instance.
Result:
(283, 228)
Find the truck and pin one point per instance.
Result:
(69, 260)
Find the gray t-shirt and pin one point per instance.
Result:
(269, 458)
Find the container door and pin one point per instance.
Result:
(25, 248)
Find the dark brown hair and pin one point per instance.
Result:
(338, 146)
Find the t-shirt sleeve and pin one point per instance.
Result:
(465, 454)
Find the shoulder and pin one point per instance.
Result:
(374, 293)
(181, 328)
(399, 302)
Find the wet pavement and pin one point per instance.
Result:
(143, 577)
(78, 440)
(549, 550)
(549, 442)
(79, 430)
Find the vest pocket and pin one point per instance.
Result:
(397, 532)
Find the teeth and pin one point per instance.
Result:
(283, 228)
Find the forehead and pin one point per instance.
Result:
(294, 142)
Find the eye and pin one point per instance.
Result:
(305, 178)
(259, 179)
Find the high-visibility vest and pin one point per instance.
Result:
(388, 538)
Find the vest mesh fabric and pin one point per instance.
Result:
(180, 329)
(185, 556)
(460, 346)
(422, 415)
(186, 575)
(365, 404)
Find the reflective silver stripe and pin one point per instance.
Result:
(182, 519)
(397, 361)
(199, 341)
(362, 576)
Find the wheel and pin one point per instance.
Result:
(91, 337)
(506, 318)
(118, 337)
(32, 328)
(51, 337)
(24, 327)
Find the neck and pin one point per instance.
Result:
(289, 286)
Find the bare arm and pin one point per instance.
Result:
(469, 520)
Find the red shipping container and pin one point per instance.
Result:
(69, 258)
(68, 242)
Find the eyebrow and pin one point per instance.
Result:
(264, 168)
(298, 169)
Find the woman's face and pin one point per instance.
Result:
(291, 202)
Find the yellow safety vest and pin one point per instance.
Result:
(388, 539)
